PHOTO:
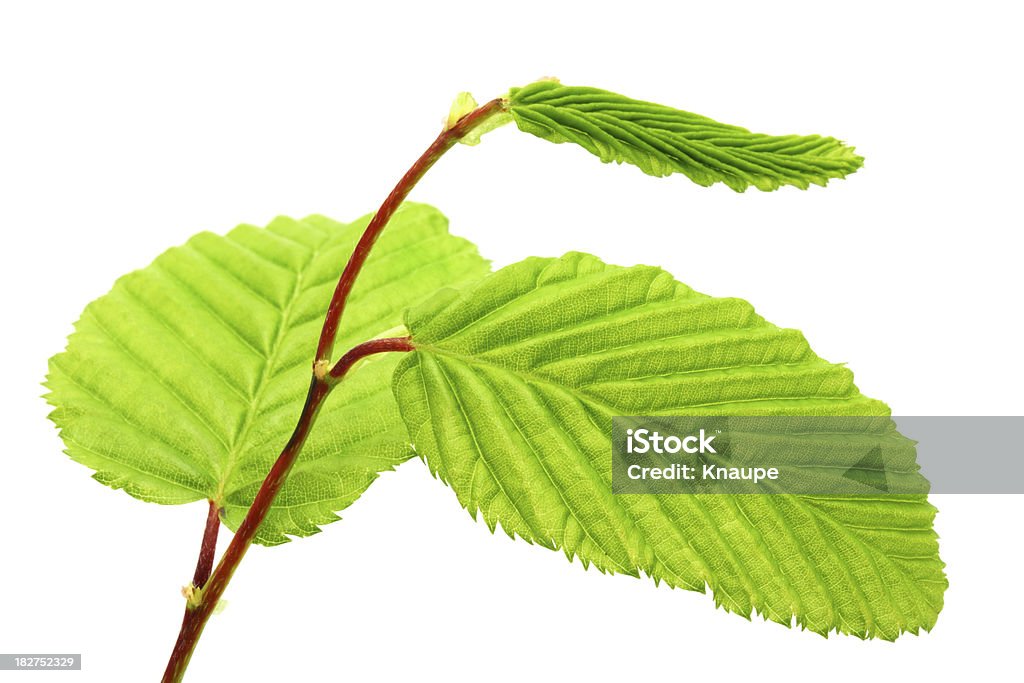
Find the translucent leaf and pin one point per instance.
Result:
(185, 381)
(509, 398)
(661, 140)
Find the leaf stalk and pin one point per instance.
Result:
(208, 548)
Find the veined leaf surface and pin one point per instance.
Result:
(185, 381)
(509, 397)
(661, 140)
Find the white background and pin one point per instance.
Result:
(125, 128)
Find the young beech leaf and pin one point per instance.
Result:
(661, 140)
(509, 397)
(185, 381)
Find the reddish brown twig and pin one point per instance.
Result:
(201, 606)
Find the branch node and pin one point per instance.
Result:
(193, 596)
(321, 369)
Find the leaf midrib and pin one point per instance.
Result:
(582, 395)
(266, 376)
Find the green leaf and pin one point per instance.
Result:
(509, 398)
(185, 381)
(661, 140)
